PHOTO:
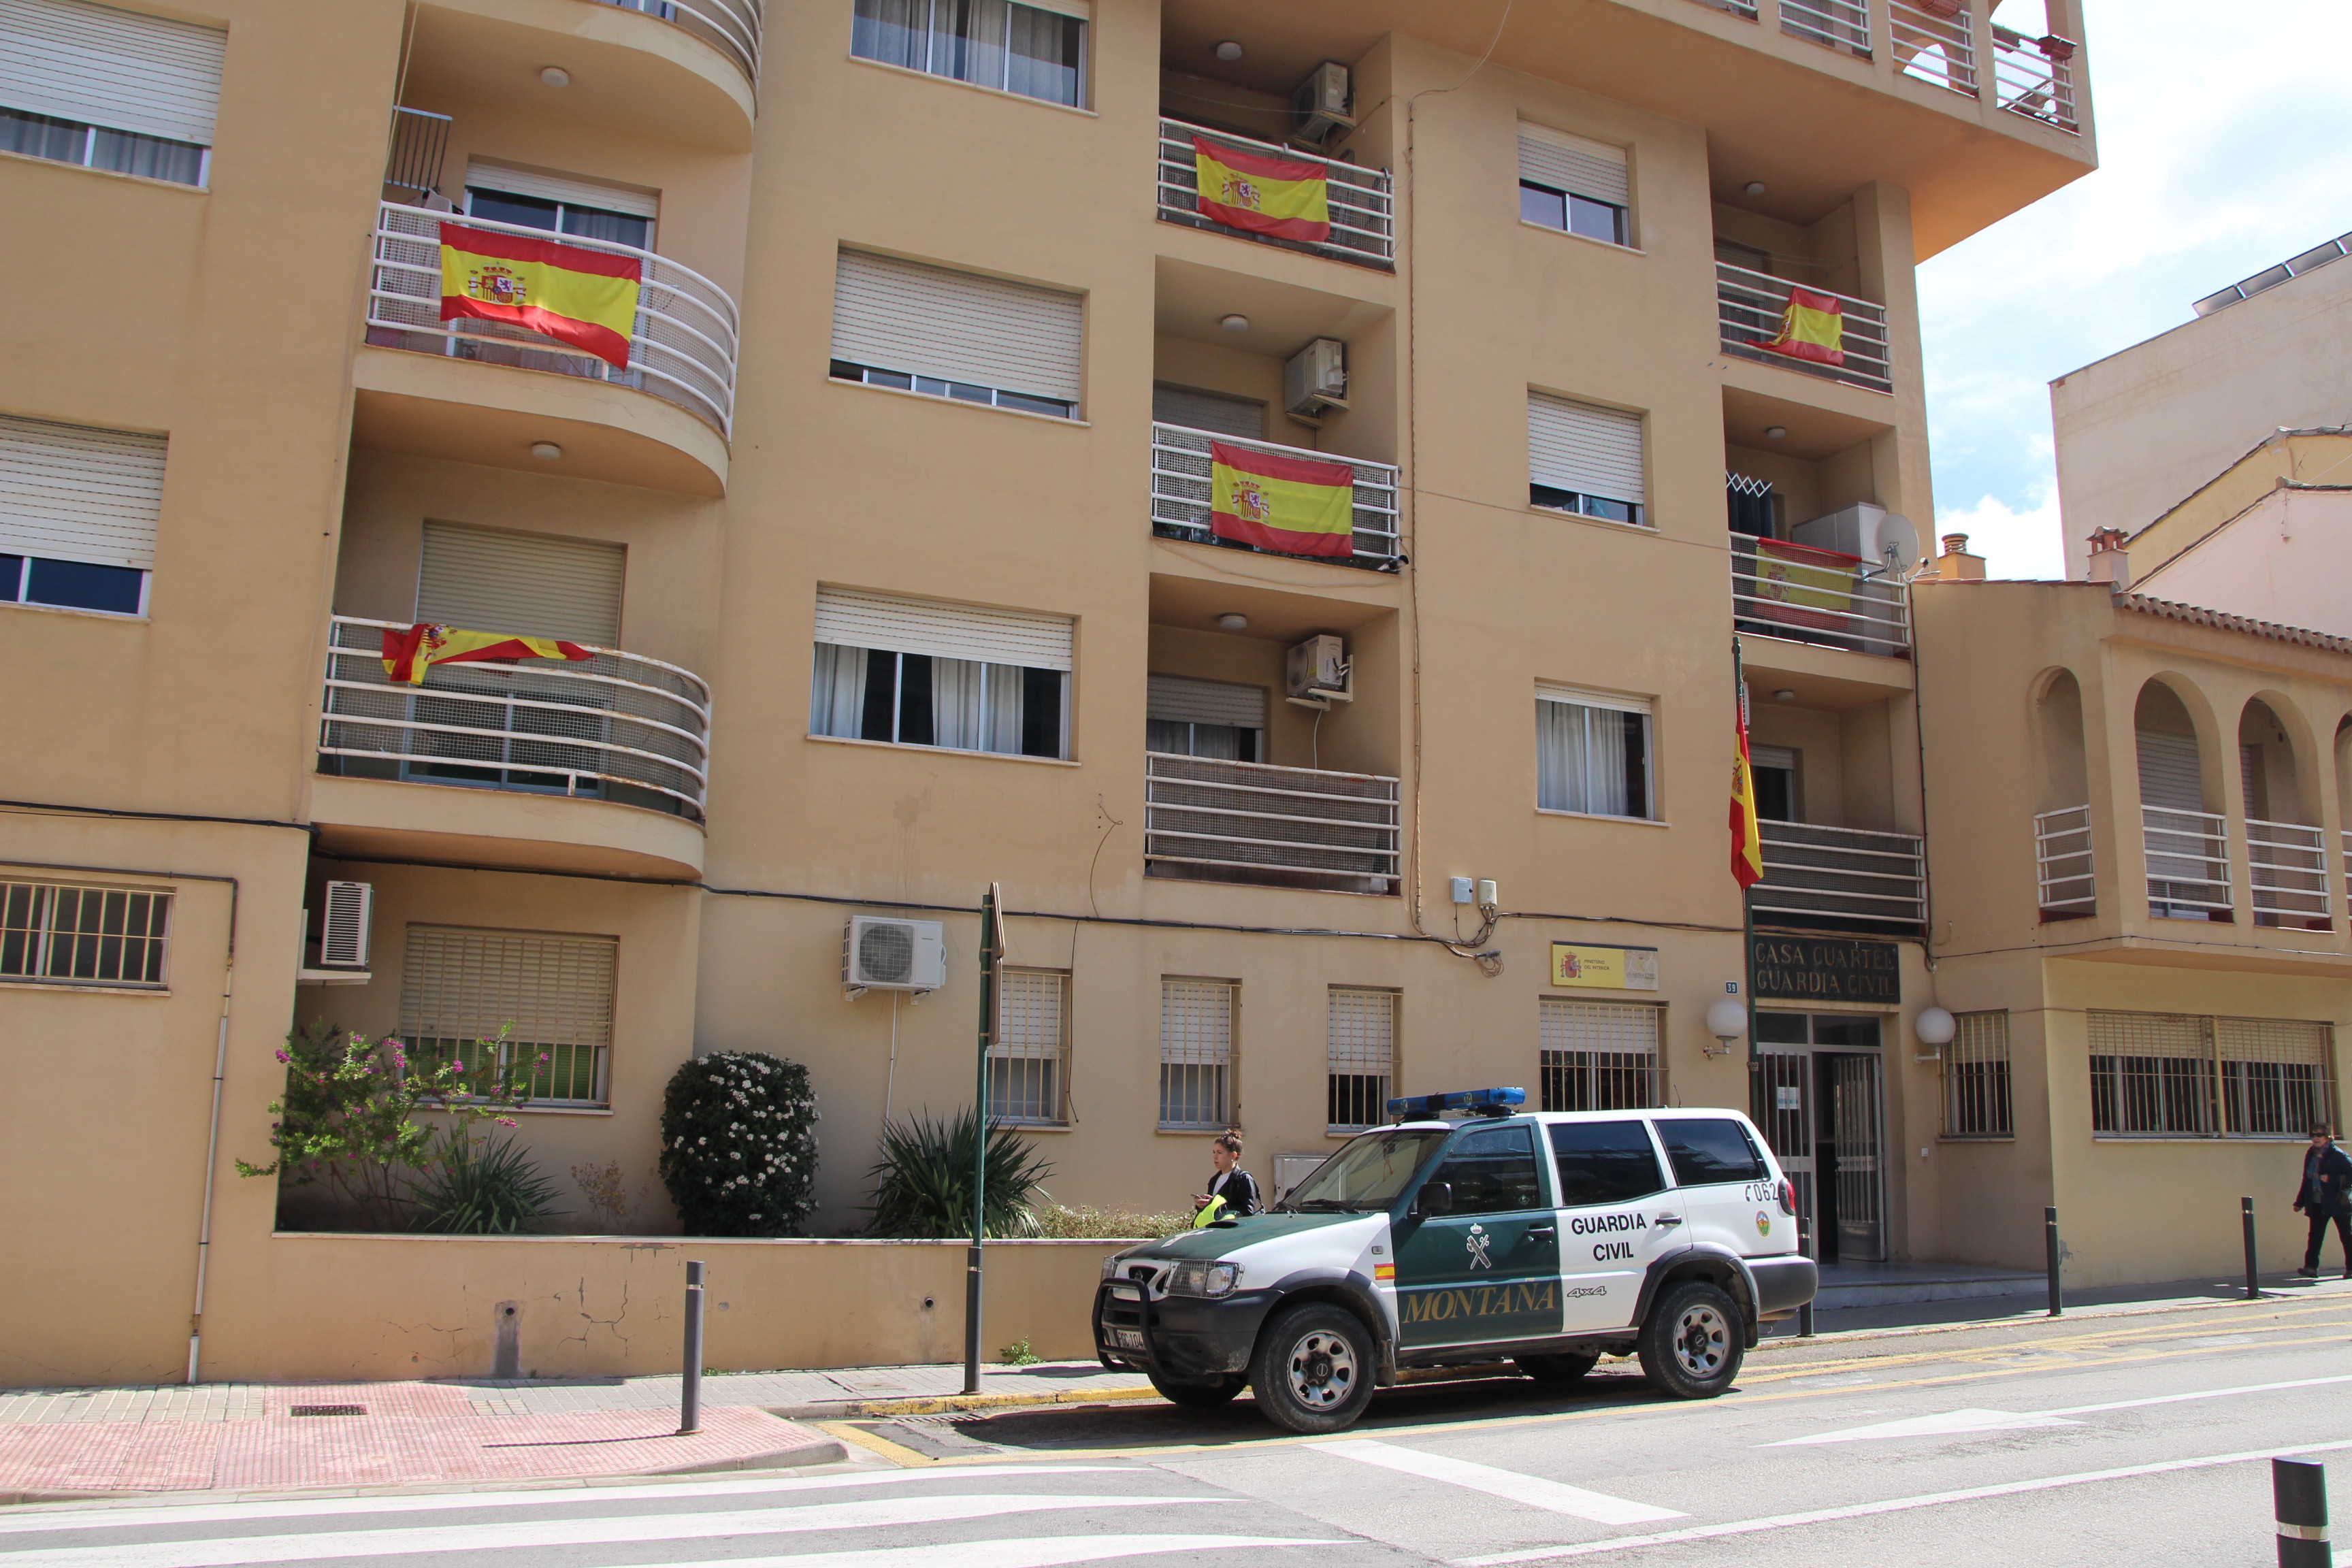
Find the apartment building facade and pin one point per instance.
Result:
(888, 551)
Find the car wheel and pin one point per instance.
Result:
(1557, 1370)
(1313, 1369)
(1209, 1393)
(1693, 1341)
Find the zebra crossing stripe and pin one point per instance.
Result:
(1039, 1551)
(1555, 1496)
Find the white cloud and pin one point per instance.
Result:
(2014, 544)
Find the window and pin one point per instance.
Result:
(577, 207)
(1604, 1163)
(950, 334)
(1214, 718)
(1592, 752)
(1584, 458)
(1599, 1055)
(1492, 1170)
(530, 584)
(1709, 1150)
(1360, 1054)
(2278, 1077)
(1211, 411)
(1754, 511)
(1571, 183)
(1028, 1069)
(2169, 1075)
(1196, 1054)
(104, 88)
(1775, 771)
(61, 933)
(1976, 1078)
(1035, 51)
(921, 673)
(527, 1004)
(77, 511)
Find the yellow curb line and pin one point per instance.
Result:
(940, 1405)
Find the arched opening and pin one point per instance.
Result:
(2062, 819)
(2286, 856)
(2187, 846)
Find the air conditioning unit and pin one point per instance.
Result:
(1320, 673)
(1884, 539)
(344, 935)
(1316, 378)
(879, 953)
(1319, 106)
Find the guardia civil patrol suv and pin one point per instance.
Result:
(1549, 1238)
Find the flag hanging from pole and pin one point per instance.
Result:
(1747, 839)
(408, 655)
(1279, 197)
(1281, 503)
(1812, 327)
(585, 297)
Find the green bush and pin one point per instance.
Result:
(1085, 1222)
(925, 1179)
(475, 1188)
(739, 1145)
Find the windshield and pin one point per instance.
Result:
(1368, 1174)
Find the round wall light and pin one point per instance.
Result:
(1935, 1026)
(1727, 1020)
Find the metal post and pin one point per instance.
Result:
(1805, 1247)
(2299, 1497)
(2050, 1227)
(991, 949)
(2254, 1276)
(689, 1388)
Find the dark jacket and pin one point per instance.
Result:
(1240, 1192)
(2323, 1189)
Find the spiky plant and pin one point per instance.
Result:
(923, 1186)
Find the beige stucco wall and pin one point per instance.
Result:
(2278, 561)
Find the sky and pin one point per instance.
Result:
(2225, 146)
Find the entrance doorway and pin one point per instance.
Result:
(1819, 1100)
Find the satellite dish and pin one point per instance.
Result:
(1899, 542)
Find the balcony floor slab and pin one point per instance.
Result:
(1827, 678)
(508, 829)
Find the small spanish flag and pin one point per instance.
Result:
(1812, 327)
(1282, 504)
(585, 297)
(1747, 839)
(1265, 195)
(408, 655)
(1804, 586)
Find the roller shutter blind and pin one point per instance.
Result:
(459, 984)
(1583, 448)
(1573, 164)
(555, 188)
(526, 584)
(956, 326)
(1182, 701)
(1629, 1029)
(70, 493)
(852, 617)
(1209, 411)
(1615, 702)
(1772, 757)
(2168, 774)
(115, 69)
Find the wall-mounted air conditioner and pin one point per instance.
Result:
(1316, 378)
(1319, 106)
(342, 937)
(1884, 539)
(1319, 672)
(882, 953)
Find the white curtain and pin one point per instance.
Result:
(1580, 760)
(1604, 763)
(975, 706)
(837, 691)
(896, 32)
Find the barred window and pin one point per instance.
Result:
(60, 932)
(1599, 1055)
(2278, 1079)
(1362, 1055)
(551, 996)
(1028, 1069)
(2151, 1075)
(1196, 1053)
(1976, 1078)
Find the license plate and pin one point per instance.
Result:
(1126, 1339)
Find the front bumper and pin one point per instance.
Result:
(1182, 1337)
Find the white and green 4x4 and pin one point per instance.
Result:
(1549, 1238)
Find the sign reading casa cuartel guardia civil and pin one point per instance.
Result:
(1826, 968)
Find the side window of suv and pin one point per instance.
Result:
(1710, 1150)
(1493, 1171)
(1604, 1163)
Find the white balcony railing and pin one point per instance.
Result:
(730, 26)
(618, 726)
(2187, 863)
(1180, 492)
(1252, 822)
(2035, 77)
(2286, 874)
(1819, 596)
(683, 348)
(2062, 861)
(1845, 874)
(1934, 41)
(1363, 218)
(1843, 24)
(1749, 306)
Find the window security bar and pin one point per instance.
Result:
(1748, 306)
(420, 141)
(1842, 24)
(2062, 859)
(2035, 77)
(1180, 492)
(2286, 872)
(618, 725)
(730, 26)
(1844, 873)
(1314, 827)
(2188, 862)
(1934, 43)
(683, 350)
(1830, 606)
(1363, 216)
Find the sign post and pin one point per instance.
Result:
(992, 954)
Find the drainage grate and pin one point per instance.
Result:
(328, 1410)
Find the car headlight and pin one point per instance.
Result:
(1110, 1264)
(1209, 1280)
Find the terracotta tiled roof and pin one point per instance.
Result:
(2166, 609)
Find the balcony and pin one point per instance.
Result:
(1181, 496)
(2063, 866)
(1749, 309)
(730, 26)
(1934, 42)
(1212, 821)
(1842, 879)
(1801, 594)
(2035, 78)
(2187, 863)
(1362, 200)
(1841, 25)
(2286, 872)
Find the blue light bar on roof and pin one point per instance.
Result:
(1489, 1101)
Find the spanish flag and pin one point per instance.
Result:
(585, 297)
(408, 655)
(1282, 504)
(1747, 839)
(1804, 586)
(1265, 195)
(1812, 327)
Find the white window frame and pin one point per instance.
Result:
(1029, 1033)
(1589, 702)
(449, 975)
(1603, 1074)
(1347, 1054)
(1186, 1001)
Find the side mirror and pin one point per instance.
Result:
(1435, 1198)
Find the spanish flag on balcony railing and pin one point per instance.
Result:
(408, 655)
(1281, 503)
(585, 297)
(1802, 587)
(1265, 195)
(1812, 327)
(1747, 839)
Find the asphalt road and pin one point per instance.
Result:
(2140, 1438)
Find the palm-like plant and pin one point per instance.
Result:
(475, 1188)
(924, 1179)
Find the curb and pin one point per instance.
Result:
(947, 1404)
(816, 1451)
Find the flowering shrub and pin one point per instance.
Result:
(739, 1145)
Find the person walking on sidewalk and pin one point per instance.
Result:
(1232, 1192)
(2326, 1197)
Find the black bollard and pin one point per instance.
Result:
(2050, 1238)
(2253, 1278)
(1805, 1247)
(2299, 1497)
(689, 1388)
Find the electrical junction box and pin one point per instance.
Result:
(1319, 672)
(1316, 378)
(1319, 106)
(1462, 890)
(881, 953)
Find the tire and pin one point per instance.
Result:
(1693, 1341)
(1312, 1372)
(1558, 1371)
(1213, 1393)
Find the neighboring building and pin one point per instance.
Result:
(891, 547)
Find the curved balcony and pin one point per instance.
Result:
(730, 26)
